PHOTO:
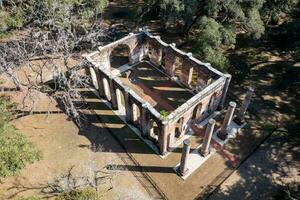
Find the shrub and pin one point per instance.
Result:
(289, 192)
(80, 194)
(211, 40)
(216, 58)
(15, 150)
(164, 114)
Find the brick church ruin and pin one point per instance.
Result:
(159, 89)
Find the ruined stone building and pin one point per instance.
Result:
(158, 88)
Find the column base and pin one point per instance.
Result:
(163, 153)
(204, 154)
(220, 107)
(183, 173)
(239, 120)
(222, 136)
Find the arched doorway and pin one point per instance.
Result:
(120, 101)
(177, 67)
(197, 112)
(178, 128)
(136, 115)
(194, 80)
(154, 131)
(119, 56)
(212, 101)
(106, 89)
(94, 78)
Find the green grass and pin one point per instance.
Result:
(80, 194)
(15, 150)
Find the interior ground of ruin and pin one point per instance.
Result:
(156, 87)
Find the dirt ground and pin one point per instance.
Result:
(161, 172)
(275, 163)
(63, 146)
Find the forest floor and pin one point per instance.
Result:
(274, 74)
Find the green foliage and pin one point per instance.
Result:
(209, 40)
(272, 9)
(255, 24)
(164, 114)
(84, 194)
(216, 58)
(11, 20)
(61, 13)
(289, 192)
(15, 150)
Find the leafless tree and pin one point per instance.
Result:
(49, 52)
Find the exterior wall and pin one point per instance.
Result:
(213, 87)
(154, 51)
(169, 60)
(133, 41)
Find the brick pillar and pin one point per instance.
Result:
(100, 84)
(113, 95)
(183, 170)
(144, 121)
(240, 118)
(163, 138)
(204, 150)
(227, 120)
(128, 106)
(225, 90)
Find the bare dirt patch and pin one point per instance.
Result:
(63, 145)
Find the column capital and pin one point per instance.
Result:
(187, 142)
(232, 104)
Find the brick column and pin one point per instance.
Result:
(113, 95)
(144, 121)
(227, 120)
(100, 83)
(183, 170)
(162, 138)
(204, 150)
(128, 106)
(225, 90)
(240, 118)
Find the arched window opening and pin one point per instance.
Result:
(212, 102)
(136, 113)
(178, 128)
(120, 101)
(106, 89)
(197, 112)
(94, 78)
(194, 81)
(177, 67)
(154, 132)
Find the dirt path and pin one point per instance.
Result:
(273, 164)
